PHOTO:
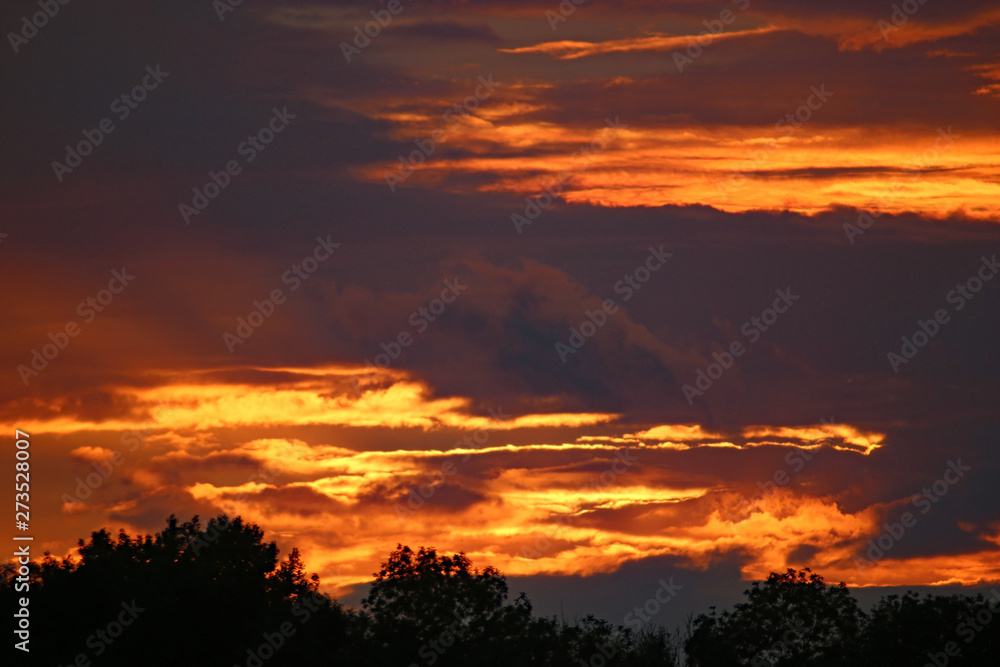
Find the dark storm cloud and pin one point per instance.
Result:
(497, 344)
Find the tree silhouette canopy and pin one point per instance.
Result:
(790, 619)
(210, 593)
(796, 620)
(219, 595)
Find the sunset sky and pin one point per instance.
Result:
(586, 292)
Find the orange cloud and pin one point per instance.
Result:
(838, 436)
(323, 398)
(569, 50)
(676, 432)
(518, 501)
(936, 173)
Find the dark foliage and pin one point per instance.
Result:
(187, 595)
(219, 596)
(796, 620)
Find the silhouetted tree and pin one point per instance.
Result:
(654, 647)
(220, 596)
(427, 609)
(434, 609)
(211, 595)
(792, 619)
(912, 630)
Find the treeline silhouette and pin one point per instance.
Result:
(220, 596)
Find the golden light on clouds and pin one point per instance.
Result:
(527, 505)
(838, 436)
(680, 432)
(400, 403)
(932, 172)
